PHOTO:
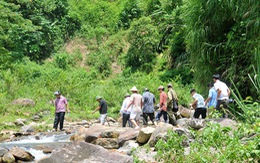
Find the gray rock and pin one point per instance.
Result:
(20, 122)
(145, 134)
(27, 128)
(161, 128)
(128, 134)
(82, 152)
(3, 151)
(128, 147)
(8, 158)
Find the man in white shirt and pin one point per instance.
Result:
(223, 93)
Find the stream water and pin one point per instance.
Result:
(31, 143)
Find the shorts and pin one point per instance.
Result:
(102, 118)
(135, 115)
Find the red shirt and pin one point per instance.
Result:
(163, 101)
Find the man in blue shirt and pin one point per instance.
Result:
(211, 101)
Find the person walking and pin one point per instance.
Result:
(148, 106)
(134, 107)
(223, 93)
(102, 107)
(211, 101)
(198, 104)
(172, 105)
(61, 107)
(162, 105)
(124, 112)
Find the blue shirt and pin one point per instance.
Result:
(148, 100)
(213, 97)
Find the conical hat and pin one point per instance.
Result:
(134, 89)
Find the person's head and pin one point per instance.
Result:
(134, 89)
(57, 94)
(169, 86)
(160, 88)
(210, 85)
(127, 95)
(146, 90)
(215, 77)
(192, 92)
(98, 98)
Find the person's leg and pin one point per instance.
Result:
(151, 117)
(56, 121)
(225, 107)
(128, 120)
(165, 116)
(137, 118)
(103, 118)
(203, 113)
(124, 119)
(132, 119)
(145, 119)
(196, 113)
(62, 115)
(158, 116)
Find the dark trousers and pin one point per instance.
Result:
(145, 118)
(200, 111)
(59, 119)
(126, 118)
(160, 113)
(221, 106)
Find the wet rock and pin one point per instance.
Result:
(27, 128)
(145, 134)
(161, 128)
(128, 134)
(108, 143)
(84, 152)
(24, 102)
(8, 158)
(21, 154)
(3, 151)
(45, 149)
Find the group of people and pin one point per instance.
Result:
(135, 105)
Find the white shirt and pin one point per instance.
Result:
(219, 85)
(124, 105)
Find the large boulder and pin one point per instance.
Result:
(225, 122)
(21, 154)
(144, 135)
(8, 158)
(128, 147)
(191, 122)
(80, 135)
(161, 128)
(108, 143)
(82, 152)
(128, 134)
(24, 102)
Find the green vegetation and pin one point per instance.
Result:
(86, 48)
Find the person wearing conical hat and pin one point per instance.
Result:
(134, 107)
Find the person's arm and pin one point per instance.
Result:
(67, 108)
(98, 108)
(228, 90)
(130, 103)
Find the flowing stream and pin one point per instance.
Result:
(32, 143)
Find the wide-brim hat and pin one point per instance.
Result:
(160, 87)
(134, 89)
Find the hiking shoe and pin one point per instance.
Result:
(62, 130)
(54, 130)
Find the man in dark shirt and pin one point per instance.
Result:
(148, 106)
(102, 107)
